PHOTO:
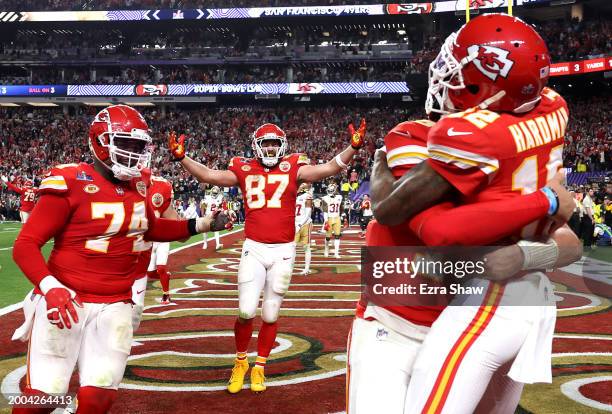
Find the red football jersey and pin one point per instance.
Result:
(269, 197)
(28, 196)
(159, 197)
(97, 251)
(406, 146)
(492, 156)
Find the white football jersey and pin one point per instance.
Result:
(213, 203)
(300, 208)
(334, 204)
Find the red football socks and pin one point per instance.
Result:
(164, 277)
(242, 336)
(265, 342)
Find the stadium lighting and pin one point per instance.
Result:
(97, 103)
(8, 104)
(401, 32)
(42, 104)
(140, 103)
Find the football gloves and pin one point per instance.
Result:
(222, 220)
(60, 307)
(358, 137)
(176, 146)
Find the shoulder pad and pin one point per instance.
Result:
(57, 180)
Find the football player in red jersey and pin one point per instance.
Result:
(99, 218)
(269, 184)
(28, 196)
(506, 141)
(153, 261)
(385, 340)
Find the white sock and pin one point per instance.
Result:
(326, 246)
(216, 238)
(337, 246)
(307, 256)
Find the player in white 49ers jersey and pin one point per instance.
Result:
(269, 184)
(332, 203)
(303, 223)
(212, 202)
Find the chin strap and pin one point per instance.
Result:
(487, 102)
(123, 174)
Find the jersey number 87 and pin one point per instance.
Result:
(255, 186)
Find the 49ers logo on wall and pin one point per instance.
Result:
(410, 8)
(491, 61)
(151, 90)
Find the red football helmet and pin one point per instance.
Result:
(119, 138)
(269, 155)
(495, 61)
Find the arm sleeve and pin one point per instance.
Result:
(166, 230)
(466, 161)
(445, 225)
(14, 188)
(47, 219)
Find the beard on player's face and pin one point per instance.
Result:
(270, 147)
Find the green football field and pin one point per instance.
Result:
(13, 284)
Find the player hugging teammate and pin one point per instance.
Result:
(269, 184)
(495, 153)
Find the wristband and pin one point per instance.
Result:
(50, 282)
(340, 163)
(191, 226)
(553, 200)
(537, 255)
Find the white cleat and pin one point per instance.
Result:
(204, 246)
(219, 246)
(305, 272)
(337, 256)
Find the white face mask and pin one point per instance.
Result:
(126, 165)
(270, 156)
(444, 75)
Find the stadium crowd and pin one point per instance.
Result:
(31, 141)
(567, 40)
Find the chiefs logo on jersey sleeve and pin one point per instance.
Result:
(157, 199)
(491, 61)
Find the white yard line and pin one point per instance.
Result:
(16, 306)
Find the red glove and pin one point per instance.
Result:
(176, 146)
(60, 307)
(221, 220)
(358, 137)
(326, 226)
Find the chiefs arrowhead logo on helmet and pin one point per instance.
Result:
(491, 61)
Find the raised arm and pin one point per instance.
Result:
(312, 173)
(201, 172)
